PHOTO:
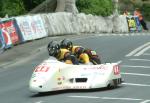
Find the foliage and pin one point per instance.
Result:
(125, 5)
(146, 11)
(95, 7)
(30, 4)
(12, 7)
(17, 7)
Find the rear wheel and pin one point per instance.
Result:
(114, 83)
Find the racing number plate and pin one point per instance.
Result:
(41, 68)
(116, 69)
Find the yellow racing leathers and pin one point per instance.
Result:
(86, 55)
(67, 57)
(80, 54)
(94, 58)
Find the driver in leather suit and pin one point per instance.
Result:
(61, 54)
(84, 55)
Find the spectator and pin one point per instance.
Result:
(126, 13)
(138, 13)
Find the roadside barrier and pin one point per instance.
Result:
(120, 24)
(59, 24)
(9, 32)
(30, 27)
(2, 45)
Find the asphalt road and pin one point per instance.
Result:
(131, 51)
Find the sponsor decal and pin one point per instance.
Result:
(86, 74)
(59, 77)
(60, 80)
(79, 87)
(2, 42)
(93, 73)
(12, 31)
(116, 69)
(7, 38)
(36, 26)
(101, 67)
(9, 32)
(42, 68)
(25, 28)
(99, 73)
(70, 87)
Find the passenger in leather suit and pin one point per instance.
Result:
(61, 54)
(84, 55)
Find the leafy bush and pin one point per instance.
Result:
(12, 7)
(146, 11)
(30, 4)
(19, 7)
(95, 7)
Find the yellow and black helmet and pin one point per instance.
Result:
(53, 48)
(67, 44)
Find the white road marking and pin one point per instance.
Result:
(140, 85)
(107, 98)
(132, 66)
(147, 54)
(138, 49)
(146, 101)
(140, 59)
(137, 74)
(39, 102)
(121, 98)
(84, 96)
(119, 62)
(142, 51)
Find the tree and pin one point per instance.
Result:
(17, 7)
(0, 8)
(146, 11)
(95, 7)
(30, 4)
(12, 7)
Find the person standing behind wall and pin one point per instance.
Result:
(126, 13)
(138, 13)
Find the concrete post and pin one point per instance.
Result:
(67, 6)
(60, 6)
(115, 2)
